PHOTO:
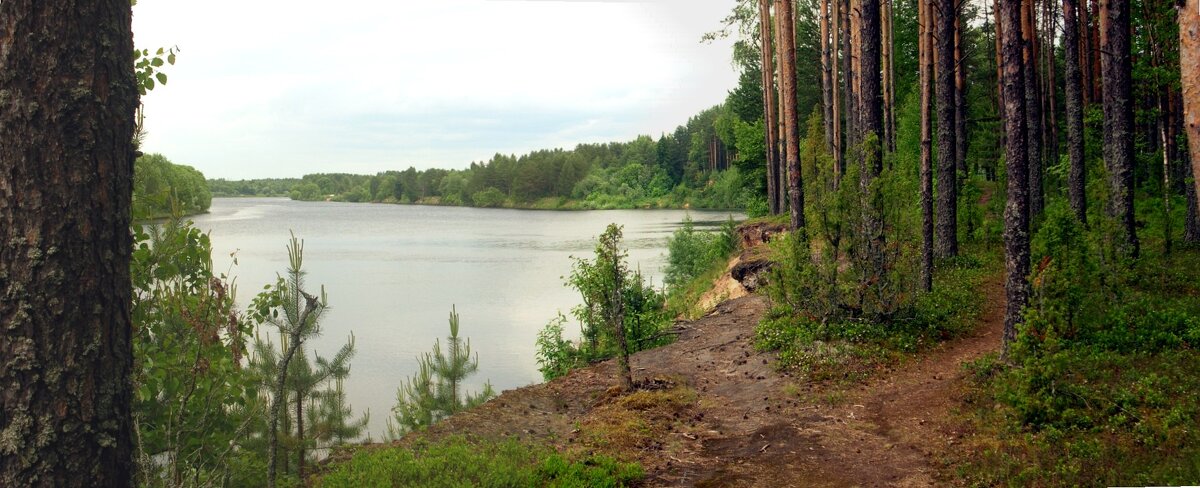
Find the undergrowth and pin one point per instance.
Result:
(849, 348)
(1100, 385)
(458, 462)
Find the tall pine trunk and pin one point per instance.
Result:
(960, 100)
(839, 90)
(827, 80)
(947, 178)
(1189, 63)
(1033, 108)
(67, 99)
(1016, 208)
(785, 24)
(1117, 73)
(768, 83)
(1073, 89)
(925, 46)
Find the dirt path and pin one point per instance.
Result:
(750, 425)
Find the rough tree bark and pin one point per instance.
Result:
(1016, 208)
(785, 24)
(1084, 35)
(1052, 76)
(1073, 89)
(67, 100)
(946, 244)
(871, 98)
(1033, 108)
(885, 54)
(839, 162)
(925, 43)
(826, 75)
(1117, 72)
(768, 83)
(1189, 63)
(960, 98)
(848, 81)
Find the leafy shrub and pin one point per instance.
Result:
(1101, 388)
(690, 252)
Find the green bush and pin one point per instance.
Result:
(690, 253)
(1101, 388)
(457, 462)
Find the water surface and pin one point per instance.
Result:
(392, 273)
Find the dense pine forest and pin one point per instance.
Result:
(973, 259)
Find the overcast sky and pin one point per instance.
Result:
(273, 88)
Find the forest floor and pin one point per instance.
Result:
(712, 411)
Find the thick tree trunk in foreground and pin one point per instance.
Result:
(947, 179)
(771, 122)
(925, 46)
(67, 100)
(1117, 71)
(1016, 208)
(785, 23)
(1077, 178)
(1189, 62)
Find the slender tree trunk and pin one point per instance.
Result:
(1166, 175)
(1083, 34)
(1189, 63)
(1033, 110)
(871, 98)
(279, 394)
(960, 99)
(67, 100)
(1052, 76)
(1097, 86)
(300, 434)
(947, 178)
(1118, 119)
(768, 82)
(785, 23)
(1077, 179)
(839, 162)
(999, 67)
(885, 61)
(826, 75)
(925, 46)
(889, 71)
(781, 138)
(1016, 209)
(848, 81)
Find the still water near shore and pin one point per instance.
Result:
(392, 273)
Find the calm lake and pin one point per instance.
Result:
(392, 273)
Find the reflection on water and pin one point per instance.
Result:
(392, 273)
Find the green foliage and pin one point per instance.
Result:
(288, 374)
(1101, 388)
(265, 187)
(457, 462)
(672, 172)
(690, 253)
(435, 392)
(601, 282)
(189, 340)
(163, 189)
(843, 300)
(149, 67)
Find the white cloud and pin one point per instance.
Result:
(274, 88)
